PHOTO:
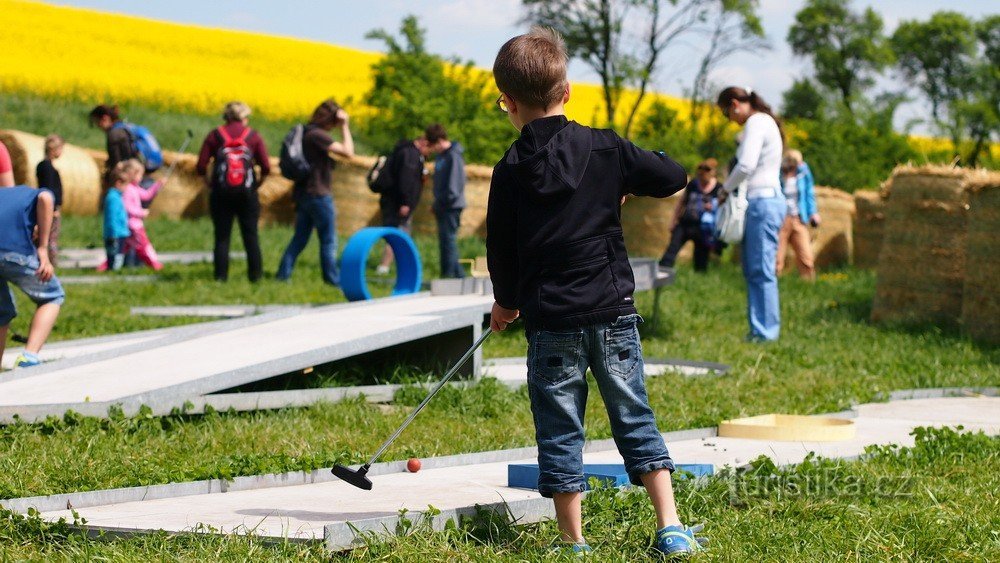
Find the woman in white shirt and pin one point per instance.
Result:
(758, 170)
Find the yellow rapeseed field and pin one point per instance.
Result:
(96, 56)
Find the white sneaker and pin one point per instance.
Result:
(382, 270)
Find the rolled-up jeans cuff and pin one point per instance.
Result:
(635, 475)
(548, 490)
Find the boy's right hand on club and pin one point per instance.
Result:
(500, 317)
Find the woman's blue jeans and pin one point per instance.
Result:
(313, 212)
(760, 251)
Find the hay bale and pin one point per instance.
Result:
(833, 244)
(646, 225)
(869, 225)
(980, 298)
(80, 174)
(922, 264)
(185, 195)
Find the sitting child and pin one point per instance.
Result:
(116, 231)
(134, 196)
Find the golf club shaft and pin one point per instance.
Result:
(173, 164)
(427, 399)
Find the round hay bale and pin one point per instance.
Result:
(80, 174)
(646, 224)
(869, 225)
(186, 193)
(833, 244)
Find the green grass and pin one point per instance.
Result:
(935, 501)
(829, 357)
(42, 115)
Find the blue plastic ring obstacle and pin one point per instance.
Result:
(409, 270)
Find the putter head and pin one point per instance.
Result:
(357, 478)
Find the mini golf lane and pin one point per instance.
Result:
(255, 349)
(332, 509)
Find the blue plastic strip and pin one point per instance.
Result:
(525, 475)
(354, 260)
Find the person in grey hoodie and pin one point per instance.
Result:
(449, 196)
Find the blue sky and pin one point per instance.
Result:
(474, 29)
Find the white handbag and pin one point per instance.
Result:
(732, 216)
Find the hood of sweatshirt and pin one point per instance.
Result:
(550, 157)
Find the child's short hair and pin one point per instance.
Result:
(794, 156)
(120, 173)
(131, 166)
(435, 133)
(52, 142)
(531, 68)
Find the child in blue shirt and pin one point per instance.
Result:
(116, 231)
(27, 266)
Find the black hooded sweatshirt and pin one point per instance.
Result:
(553, 226)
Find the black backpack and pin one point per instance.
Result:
(293, 163)
(234, 162)
(380, 175)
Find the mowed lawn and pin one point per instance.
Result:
(829, 357)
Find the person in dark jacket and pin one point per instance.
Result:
(400, 200)
(314, 206)
(701, 196)
(118, 141)
(557, 259)
(449, 196)
(225, 203)
(49, 179)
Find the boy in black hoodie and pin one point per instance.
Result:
(557, 259)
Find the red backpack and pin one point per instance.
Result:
(234, 162)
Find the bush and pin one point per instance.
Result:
(414, 88)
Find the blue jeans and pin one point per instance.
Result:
(448, 221)
(19, 270)
(313, 212)
(557, 387)
(760, 252)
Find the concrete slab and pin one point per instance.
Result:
(514, 371)
(92, 257)
(101, 279)
(210, 311)
(162, 376)
(335, 511)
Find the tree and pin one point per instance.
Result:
(623, 41)
(948, 59)
(803, 101)
(846, 48)
(413, 88)
(734, 28)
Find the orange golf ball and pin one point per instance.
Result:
(413, 465)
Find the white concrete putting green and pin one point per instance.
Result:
(167, 371)
(514, 371)
(315, 506)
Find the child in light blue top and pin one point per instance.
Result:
(116, 231)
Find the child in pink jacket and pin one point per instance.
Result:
(134, 197)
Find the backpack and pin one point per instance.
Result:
(145, 147)
(380, 176)
(234, 162)
(293, 163)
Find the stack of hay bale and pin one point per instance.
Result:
(646, 225)
(980, 295)
(80, 174)
(925, 263)
(869, 226)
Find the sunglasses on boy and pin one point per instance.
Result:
(705, 169)
(502, 105)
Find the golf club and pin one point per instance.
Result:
(359, 478)
(170, 170)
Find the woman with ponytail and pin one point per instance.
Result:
(758, 171)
